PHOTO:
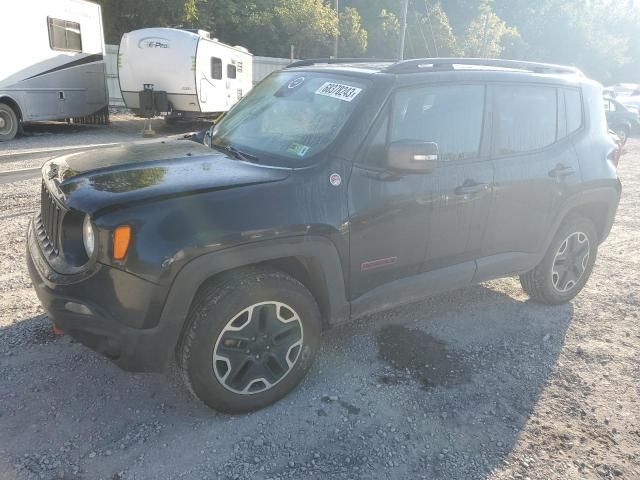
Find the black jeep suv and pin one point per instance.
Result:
(333, 190)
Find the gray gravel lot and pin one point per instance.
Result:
(476, 384)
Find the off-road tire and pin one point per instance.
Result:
(538, 283)
(214, 307)
(623, 132)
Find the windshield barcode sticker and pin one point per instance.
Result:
(339, 91)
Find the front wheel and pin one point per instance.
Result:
(567, 265)
(251, 337)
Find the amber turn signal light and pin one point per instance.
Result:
(121, 241)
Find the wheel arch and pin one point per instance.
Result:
(598, 205)
(313, 261)
(10, 101)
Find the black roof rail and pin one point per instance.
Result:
(331, 61)
(426, 64)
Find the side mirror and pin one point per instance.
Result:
(412, 157)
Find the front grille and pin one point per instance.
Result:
(49, 222)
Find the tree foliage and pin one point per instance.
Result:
(487, 35)
(599, 36)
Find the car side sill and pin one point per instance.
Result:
(412, 289)
(496, 266)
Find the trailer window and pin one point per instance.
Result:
(64, 35)
(216, 68)
(231, 71)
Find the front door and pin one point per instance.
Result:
(407, 224)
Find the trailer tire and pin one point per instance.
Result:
(9, 124)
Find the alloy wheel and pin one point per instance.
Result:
(258, 347)
(570, 262)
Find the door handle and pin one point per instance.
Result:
(561, 171)
(470, 188)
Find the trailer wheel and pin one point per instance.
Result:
(8, 123)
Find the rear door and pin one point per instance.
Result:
(536, 170)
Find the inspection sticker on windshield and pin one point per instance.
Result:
(297, 149)
(338, 90)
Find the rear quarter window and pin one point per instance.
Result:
(573, 104)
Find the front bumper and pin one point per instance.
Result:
(106, 309)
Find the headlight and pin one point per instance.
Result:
(88, 236)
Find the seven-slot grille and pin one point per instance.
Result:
(48, 223)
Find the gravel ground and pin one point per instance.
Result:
(476, 384)
(44, 139)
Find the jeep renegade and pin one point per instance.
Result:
(333, 190)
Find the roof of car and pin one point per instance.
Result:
(426, 65)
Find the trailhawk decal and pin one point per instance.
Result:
(379, 263)
(338, 90)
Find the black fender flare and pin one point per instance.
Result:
(13, 103)
(194, 274)
(609, 196)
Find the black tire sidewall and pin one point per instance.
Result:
(574, 224)
(624, 130)
(213, 314)
(14, 121)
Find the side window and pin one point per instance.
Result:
(64, 35)
(449, 115)
(216, 68)
(231, 71)
(573, 105)
(526, 118)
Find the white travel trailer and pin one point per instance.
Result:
(51, 63)
(201, 76)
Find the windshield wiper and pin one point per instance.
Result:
(240, 155)
(235, 153)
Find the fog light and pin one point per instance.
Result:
(77, 308)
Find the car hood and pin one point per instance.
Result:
(112, 177)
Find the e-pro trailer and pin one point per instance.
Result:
(51, 63)
(196, 76)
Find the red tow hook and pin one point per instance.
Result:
(57, 330)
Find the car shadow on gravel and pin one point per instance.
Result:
(459, 374)
(439, 389)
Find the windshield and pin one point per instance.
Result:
(290, 116)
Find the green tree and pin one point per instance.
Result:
(309, 25)
(384, 39)
(353, 37)
(487, 35)
(430, 34)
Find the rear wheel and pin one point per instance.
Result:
(623, 131)
(567, 265)
(8, 123)
(251, 337)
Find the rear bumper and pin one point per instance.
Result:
(105, 310)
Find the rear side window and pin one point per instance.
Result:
(573, 103)
(231, 71)
(449, 115)
(527, 118)
(216, 68)
(64, 35)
